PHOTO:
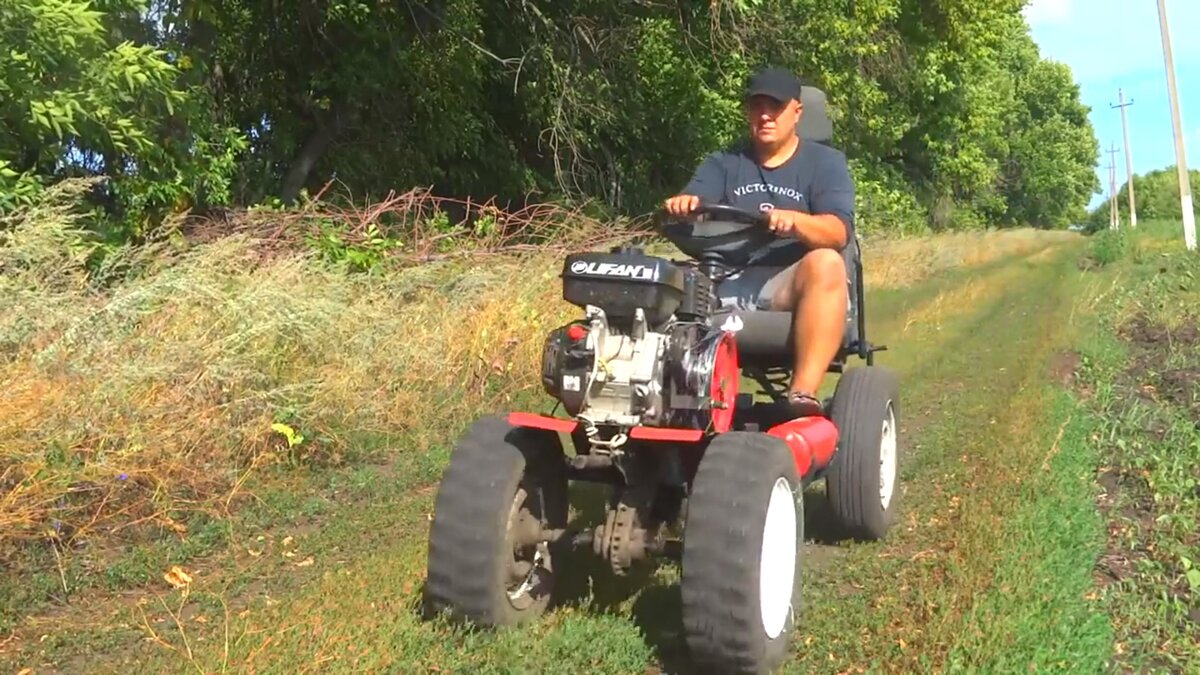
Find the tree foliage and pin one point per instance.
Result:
(948, 113)
(1157, 196)
(82, 94)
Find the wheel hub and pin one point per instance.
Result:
(530, 569)
(627, 529)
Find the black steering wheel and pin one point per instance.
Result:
(733, 213)
(731, 234)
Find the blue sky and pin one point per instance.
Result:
(1111, 44)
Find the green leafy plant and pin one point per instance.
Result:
(1109, 246)
(353, 254)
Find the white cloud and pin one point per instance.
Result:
(1047, 11)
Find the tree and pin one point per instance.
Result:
(77, 99)
(946, 110)
(1049, 177)
(1157, 194)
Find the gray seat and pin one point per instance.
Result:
(815, 125)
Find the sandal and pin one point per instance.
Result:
(801, 404)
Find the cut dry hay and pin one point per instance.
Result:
(158, 386)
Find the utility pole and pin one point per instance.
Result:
(1115, 211)
(1185, 189)
(1112, 221)
(1114, 215)
(1128, 155)
(1112, 224)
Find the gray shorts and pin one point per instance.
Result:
(754, 288)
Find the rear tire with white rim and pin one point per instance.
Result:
(862, 482)
(742, 547)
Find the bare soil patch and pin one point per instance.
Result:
(1065, 367)
(1152, 345)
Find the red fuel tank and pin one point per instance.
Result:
(813, 440)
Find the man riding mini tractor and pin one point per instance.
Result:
(649, 379)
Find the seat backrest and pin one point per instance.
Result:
(815, 124)
(852, 257)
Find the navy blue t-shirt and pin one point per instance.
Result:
(816, 179)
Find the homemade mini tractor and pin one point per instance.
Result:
(650, 382)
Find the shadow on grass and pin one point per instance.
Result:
(819, 525)
(587, 582)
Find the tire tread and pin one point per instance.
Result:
(470, 514)
(719, 586)
(853, 480)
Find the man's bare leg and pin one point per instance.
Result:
(818, 302)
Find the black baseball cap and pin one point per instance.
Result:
(778, 83)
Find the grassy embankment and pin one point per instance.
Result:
(1139, 389)
(311, 556)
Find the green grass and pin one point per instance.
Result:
(1038, 616)
(960, 584)
(1136, 356)
(1109, 246)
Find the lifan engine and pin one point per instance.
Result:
(644, 354)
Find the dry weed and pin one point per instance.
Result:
(156, 386)
(950, 302)
(139, 403)
(423, 223)
(897, 263)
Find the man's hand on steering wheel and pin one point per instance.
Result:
(682, 205)
(784, 222)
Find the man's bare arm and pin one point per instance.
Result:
(824, 230)
(832, 202)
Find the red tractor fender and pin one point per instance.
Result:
(812, 440)
(670, 434)
(546, 423)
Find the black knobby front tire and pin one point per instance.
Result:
(863, 480)
(722, 585)
(496, 471)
